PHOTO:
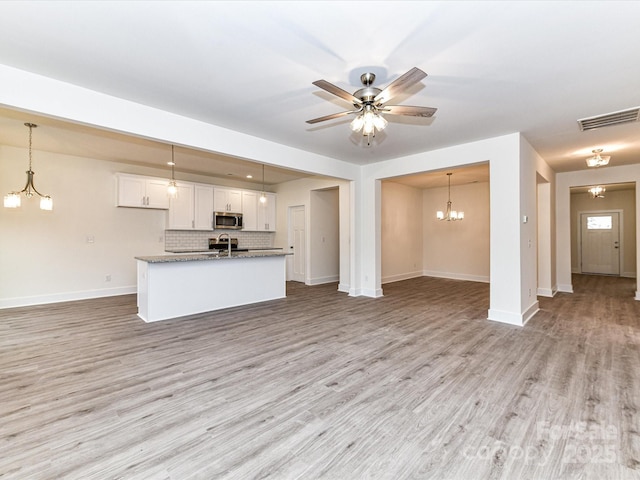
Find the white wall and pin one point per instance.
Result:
(457, 249)
(324, 236)
(45, 256)
(298, 192)
(401, 232)
(582, 202)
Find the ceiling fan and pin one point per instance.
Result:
(370, 102)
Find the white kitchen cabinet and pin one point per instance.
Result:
(267, 213)
(249, 210)
(203, 207)
(142, 192)
(227, 200)
(192, 209)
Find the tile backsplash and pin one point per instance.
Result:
(196, 240)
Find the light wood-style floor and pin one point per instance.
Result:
(415, 385)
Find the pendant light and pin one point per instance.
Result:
(263, 197)
(172, 189)
(450, 214)
(12, 200)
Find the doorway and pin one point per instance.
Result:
(600, 243)
(297, 241)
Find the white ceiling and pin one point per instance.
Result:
(493, 68)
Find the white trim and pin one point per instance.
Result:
(637, 295)
(65, 297)
(366, 292)
(457, 276)
(628, 274)
(505, 317)
(343, 288)
(565, 288)
(547, 292)
(530, 312)
(401, 276)
(322, 280)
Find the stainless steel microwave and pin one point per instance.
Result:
(232, 221)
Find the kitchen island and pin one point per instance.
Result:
(171, 286)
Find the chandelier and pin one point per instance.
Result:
(450, 214)
(12, 200)
(172, 189)
(597, 160)
(597, 192)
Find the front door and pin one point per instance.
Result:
(600, 243)
(297, 243)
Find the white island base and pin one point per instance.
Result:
(176, 287)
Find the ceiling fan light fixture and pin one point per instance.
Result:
(598, 160)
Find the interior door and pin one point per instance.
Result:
(600, 243)
(296, 262)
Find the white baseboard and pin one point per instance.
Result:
(65, 297)
(628, 274)
(322, 280)
(457, 276)
(637, 295)
(565, 287)
(547, 292)
(366, 292)
(400, 277)
(530, 312)
(343, 288)
(505, 317)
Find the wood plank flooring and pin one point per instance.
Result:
(413, 385)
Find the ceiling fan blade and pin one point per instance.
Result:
(337, 91)
(331, 117)
(400, 84)
(408, 110)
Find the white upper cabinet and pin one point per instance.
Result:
(203, 214)
(142, 192)
(249, 210)
(267, 213)
(227, 200)
(192, 209)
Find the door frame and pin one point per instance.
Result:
(620, 213)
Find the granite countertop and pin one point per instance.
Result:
(189, 257)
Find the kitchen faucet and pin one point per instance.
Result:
(228, 242)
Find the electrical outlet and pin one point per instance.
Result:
(91, 239)
(107, 278)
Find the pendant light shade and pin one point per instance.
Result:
(450, 214)
(12, 199)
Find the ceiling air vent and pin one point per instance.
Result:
(615, 118)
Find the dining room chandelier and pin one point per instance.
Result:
(12, 199)
(449, 214)
(263, 196)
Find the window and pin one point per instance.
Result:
(602, 222)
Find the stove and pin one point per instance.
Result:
(223, 245)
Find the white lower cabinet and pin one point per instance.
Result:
(192, 209)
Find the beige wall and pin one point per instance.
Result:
(457, 249)
(45, 256)
(624, 200)
(401, 232)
